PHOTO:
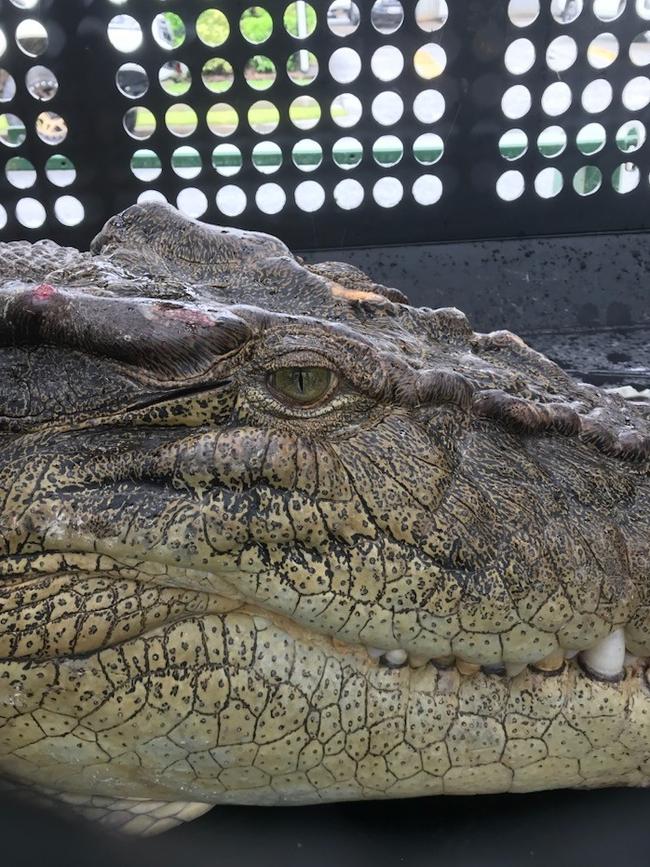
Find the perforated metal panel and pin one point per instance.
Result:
(330, 123)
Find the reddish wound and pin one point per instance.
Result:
(43, 292)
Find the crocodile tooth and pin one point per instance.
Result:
(514, 668)
(375, 652)
(418, 660)
(569, 654)
(553, 662)
(606, 658)
(395, 658)
(468, 668)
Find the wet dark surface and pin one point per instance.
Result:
(549, 829)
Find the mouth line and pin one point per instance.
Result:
(607, 660)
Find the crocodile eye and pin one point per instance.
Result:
(302, 385)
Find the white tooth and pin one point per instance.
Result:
(607, 657)
(375, 652)
(396, 657)
(569, 654)
(514, 668)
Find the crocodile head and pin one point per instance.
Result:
(270, 534)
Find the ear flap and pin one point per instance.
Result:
(167, 339)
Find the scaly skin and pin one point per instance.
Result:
(192, 565)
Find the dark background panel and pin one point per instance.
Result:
(473, 83)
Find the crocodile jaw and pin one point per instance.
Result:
(241, 707)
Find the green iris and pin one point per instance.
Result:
(302, 385)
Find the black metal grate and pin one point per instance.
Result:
(327, 123)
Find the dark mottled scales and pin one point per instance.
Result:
(194, 565)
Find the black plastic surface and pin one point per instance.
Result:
(473, 82)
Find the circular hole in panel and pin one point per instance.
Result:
(20, 173)
(630, 136)
(60, 171)
(267, 157)
(587, 180)
(566, 11)
(124, 33)
(556, 99)
(175, 78)
(146, 165)
(217, 75)
(625, 178)
(636, 93)
(640, 49)
(602, 50)
(41, 83)
(386, 16)
(304, 112)
(270, 198)
(212, 28)
(591, 139)
(168, 30)
(513, 144)
(551, 142)
(30, 213)
(7, 86)
(307, 155)
(430, 60)
(429, 106)
(609, 10)
(431, 15)
(388, 192)
(299, 20)
(263, 117)
(596, 96)
(186, 162)
(348, 194)
(259, 72)
(151, 196)
(302, 67)
(516, 101)
(387, 63)
(132, 80)
(29, 4)
(549, 182)
(51, 128)
(231, 200)
(3, 217)
(427, 190)
(12, 130)
(510, 185)
(561, 53)
(343, 17)
(522, 13)
(222, 119)
(139, 122)
(69, 211)
(31, 37)
(192, 202)
(347, 152)
(226, 160)
(256, 25)
(643, 9)
(181, 119)
(428, 148)
(387, 151)
(344, 65)
(346, 109)
(387, 108)
(309, 196)
(519, 56)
